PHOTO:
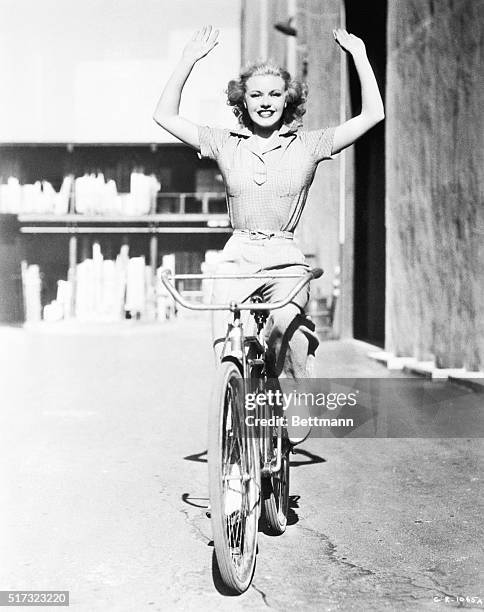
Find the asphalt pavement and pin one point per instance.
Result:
(104, 486)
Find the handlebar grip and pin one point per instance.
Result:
(317, 272)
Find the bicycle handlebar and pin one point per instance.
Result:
(232, 306)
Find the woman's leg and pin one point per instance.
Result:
(288, 350)
(288, 345)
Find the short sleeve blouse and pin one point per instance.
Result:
(266, 189)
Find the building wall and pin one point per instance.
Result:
(434, 207)
(318, 62)
(434, 204)
(323, 60)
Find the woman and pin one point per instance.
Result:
(268, 166)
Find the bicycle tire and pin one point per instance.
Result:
(234, 481)
(276, 496)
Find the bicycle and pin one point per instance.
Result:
(248, 463)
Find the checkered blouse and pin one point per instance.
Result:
(266, 189)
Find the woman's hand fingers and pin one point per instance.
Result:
(210, 37)
(201, 43)
(348, 42)
(340, 35)
(214, 37)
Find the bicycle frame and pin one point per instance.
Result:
(240, 346)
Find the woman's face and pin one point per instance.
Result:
(265, 97)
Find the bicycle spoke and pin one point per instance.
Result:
(234, 487)
(238, 486)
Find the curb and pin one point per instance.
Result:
(427, 369)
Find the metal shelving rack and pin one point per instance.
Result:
(153, 224)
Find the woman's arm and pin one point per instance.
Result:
(167, 109)
(372, 111)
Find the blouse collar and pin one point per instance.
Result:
(285, 130)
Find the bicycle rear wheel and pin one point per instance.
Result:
(275, 486)
(234, 480)
(276, 496)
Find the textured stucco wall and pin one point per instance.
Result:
(315, 20)
(320, 223)
(434, 196)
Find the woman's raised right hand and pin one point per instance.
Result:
(202, 42)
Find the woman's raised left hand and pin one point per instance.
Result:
(349, 42)
(201, 43)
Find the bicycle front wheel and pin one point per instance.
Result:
(234, 480)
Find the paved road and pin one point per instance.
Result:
(104, 490)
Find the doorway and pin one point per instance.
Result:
(368, 21)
